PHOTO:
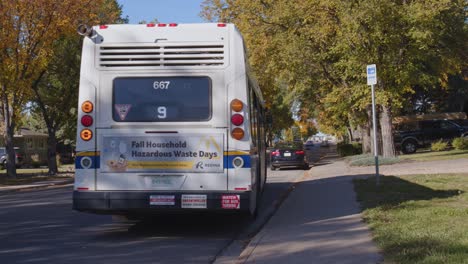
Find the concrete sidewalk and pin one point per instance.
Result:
(320, 222)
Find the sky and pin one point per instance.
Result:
(165, 11)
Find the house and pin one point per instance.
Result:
(32, 146)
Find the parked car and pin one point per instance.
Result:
(288, 154)
(3, 158)
(324, 143)
(409, 136)
(309, 145)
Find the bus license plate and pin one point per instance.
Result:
(165, 182)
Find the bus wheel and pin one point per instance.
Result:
(255, 199)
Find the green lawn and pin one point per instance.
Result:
(369, 160)
(425, 155)
(31, 175)
(418, 218)
(435, 155)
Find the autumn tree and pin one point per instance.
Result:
(320, 49)
(29, 31)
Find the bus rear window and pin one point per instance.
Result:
(161, 99)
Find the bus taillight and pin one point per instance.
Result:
(86, 134)
(237, 105)
(237, 119)
(87, 120)
(237, 133)
(87, 107)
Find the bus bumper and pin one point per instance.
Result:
(124, 202)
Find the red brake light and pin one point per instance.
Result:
(161, 25)
(103, 26)
(87, 120)
(237, 119)
(300, 152)
(150, 25)
(221, 25)
(275, 153)
(173, 24)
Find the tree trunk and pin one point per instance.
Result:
(9, 135)
(371, 130)
(365, 138)
(10, 149)
(52, 151)
(349, 130)
(388, 146)
(51, 130)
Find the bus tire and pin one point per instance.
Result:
(255, 198)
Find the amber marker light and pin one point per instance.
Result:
(86, 134)
(87, 107)
(237, 133)
(237, 105)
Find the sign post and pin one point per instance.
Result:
(372, 80)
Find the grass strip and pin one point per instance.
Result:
(418, 218)
(28, 176)
(436, 155)
(369, 160)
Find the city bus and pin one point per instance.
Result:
(170, 119)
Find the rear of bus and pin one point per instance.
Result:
(163, 121)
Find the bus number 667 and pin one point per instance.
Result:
(163, 85)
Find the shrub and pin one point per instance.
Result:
(35, 164)
(346, 149)
(460, 143)
(439, 145)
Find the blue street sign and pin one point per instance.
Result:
(371, 74)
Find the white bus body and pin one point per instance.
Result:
(155, 123)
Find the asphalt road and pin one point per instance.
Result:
(40, 227)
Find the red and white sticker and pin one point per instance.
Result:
(162, 200)
(193, 201)
(230, 201)
(122, 110)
